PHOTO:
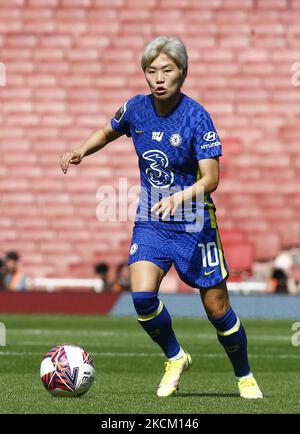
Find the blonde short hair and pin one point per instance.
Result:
(172, 47)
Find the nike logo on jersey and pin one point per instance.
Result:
(138, 131)
(206, 273)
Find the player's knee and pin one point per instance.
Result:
(216, 307)
(145, 303)
(217, 311)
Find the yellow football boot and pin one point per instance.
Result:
(249, 389)
(173, 370)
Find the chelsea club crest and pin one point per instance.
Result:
(175, 139)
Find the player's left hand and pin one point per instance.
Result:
(168, 205)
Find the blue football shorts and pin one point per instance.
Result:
(197, 256)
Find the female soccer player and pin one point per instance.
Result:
(178, 150)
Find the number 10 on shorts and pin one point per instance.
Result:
(209, 254)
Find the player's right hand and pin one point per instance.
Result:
(69, 158)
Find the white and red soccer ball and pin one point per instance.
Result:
(67, 370)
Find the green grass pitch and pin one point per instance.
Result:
(129, 367)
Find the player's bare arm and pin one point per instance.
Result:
(210, 174)
(94, 143)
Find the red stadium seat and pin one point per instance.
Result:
(239, 257)
(266, 245)
(231, 236)
(289, 232)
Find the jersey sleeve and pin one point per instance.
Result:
(121, 120)
(206, 140)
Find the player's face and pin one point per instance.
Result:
(164, 77)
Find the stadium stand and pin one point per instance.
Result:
(70, 65)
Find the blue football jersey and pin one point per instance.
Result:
(169, 148)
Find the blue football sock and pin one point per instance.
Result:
(231, 334)
(156, 321)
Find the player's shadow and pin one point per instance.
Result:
(206, 395)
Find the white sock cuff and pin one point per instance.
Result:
(178, 355)
(250, 375)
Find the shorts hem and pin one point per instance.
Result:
(213, 284)
(194, 285)
(165, 269)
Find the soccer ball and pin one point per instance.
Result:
(67, 370)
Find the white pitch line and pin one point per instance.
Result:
(90, 343)
(116, 354)
(66, 332)
(95, 344)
